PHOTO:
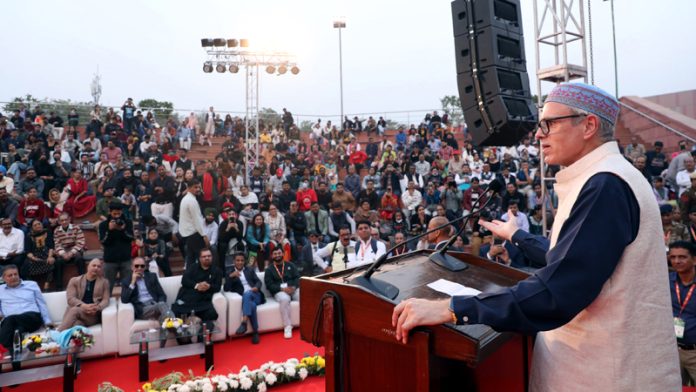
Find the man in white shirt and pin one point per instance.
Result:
(520, 217)
(11, 244)
(411, 199)
(341, 253)
(191, 223)
(367, 249)
(6, 182)
(422, 166)
(684, 176)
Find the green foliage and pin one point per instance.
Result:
(161, 109)
(269, 117)
(305, 125)
(453, 107)
(60, 106)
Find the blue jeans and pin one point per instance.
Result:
(16, 168)
(250, 299)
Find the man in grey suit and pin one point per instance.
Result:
(143, 290)
(318, 220)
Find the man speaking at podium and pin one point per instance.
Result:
(601, 306)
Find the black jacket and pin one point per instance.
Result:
(272, 278)
(117, 243)
(189, 298)
(130, 295)
(234, 285)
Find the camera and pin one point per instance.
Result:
(120, 222)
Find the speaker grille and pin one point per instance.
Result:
(517, 107)
(508, 47)
(509, 80)
(505, 10)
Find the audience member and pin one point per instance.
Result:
(243, 280)
(282, 281)
(87, 296)
(142, 289)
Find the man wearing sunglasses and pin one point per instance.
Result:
(143, 290)
(600, 308)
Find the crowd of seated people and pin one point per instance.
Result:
(336, 197)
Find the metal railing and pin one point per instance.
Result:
(658, 122)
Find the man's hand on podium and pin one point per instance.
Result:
(503, 230)
(415, 312)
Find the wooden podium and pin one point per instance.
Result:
(362, 354)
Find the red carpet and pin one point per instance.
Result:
(230, 356)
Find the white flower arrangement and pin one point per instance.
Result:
(259, 380)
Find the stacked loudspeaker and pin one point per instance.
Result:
(492, 71)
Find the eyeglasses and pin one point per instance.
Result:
(139, 266)
(545, 124)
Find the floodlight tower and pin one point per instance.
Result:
(230, 55)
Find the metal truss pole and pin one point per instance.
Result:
(561, 25)
(251, 124)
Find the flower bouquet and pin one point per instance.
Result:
(82, 337)
(32, 342)
(172, 324)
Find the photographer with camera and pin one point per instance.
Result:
(116, 236)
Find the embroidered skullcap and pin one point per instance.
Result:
(588, 98)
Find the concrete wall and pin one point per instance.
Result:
(633, 124)
(683, 102)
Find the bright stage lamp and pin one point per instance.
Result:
(295, 70)
(270, 69)
(233, 68)
(244, 43)
(282, 69)
(219, 42)
(232, 43)
(206, 42)
(221, 68)
(207, 67)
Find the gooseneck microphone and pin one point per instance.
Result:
(389, 290)
(451, 263)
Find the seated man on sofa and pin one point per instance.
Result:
(198, 285)
(283, 281)
(22, 306)
(88, 295)
(243, 281)
(143, 290)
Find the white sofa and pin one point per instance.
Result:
(127, 325)
(104, 334)
(268, 313)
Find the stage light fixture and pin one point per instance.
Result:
(220, 67)
(295, 70)
(232, 43)
(206, 42)
(219, 42)
(208, 67)
(244, 43)
(234, 68)
(270, 69)
(282, 70)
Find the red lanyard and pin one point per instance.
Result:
(282, 274)
(686, 300)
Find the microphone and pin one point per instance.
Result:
(451, 263)
(389, 290)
